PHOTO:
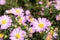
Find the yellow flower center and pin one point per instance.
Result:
(17, 11)
(3, 22)
(41, 25)
(1, 35)
(17, 36)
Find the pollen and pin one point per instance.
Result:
(17, 11)
(41, 25)
(3, 22)
(17, 36)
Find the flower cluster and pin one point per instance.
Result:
(31, 21)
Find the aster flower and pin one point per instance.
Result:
(41, 24)
(17, 11)
(17, 34)
(27, 12)
(55, 35)
(2, 2)
(58, 17)
(57, 6)
(5, 21)
(58, 2)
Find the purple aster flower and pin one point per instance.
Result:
(41, 24)
(5, 21)
(17, 34)
(55, 35)
(58, 17)
(27, 12)
(58, 2)
(16, 11)
(2, 2)
(57, 6)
